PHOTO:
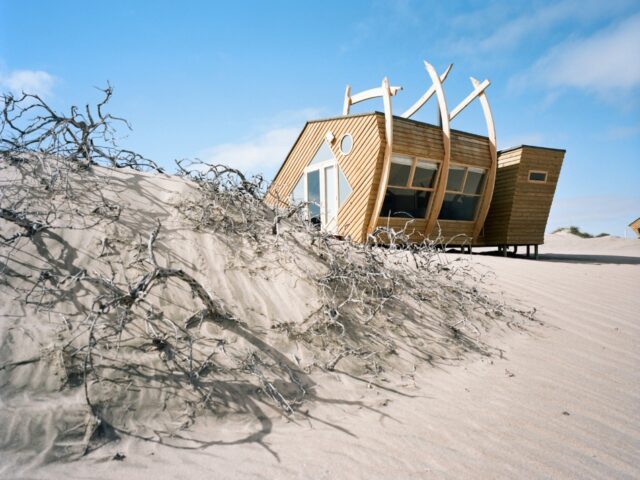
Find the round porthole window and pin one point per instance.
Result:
(346, 144)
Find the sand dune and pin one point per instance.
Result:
(563, 402)
(558, 397)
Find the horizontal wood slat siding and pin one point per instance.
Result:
(470, 150)
(414, 228)
(520, 209)
(359, 167)
(420, 140)
(453, 232)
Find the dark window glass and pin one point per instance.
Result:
(313, 196)
(424, 175)
(475, 179)
(400, 171)
(456, 176)
(405, 203)
(458, 207)
(538, 176)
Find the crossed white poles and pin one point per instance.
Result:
(386, 92)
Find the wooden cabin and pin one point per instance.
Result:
(358, 173)
(525, 184)
(635, 226)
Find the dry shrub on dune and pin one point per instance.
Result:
(119, 313)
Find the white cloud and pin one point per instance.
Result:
(28, 81)
(262, 154)
(513, 25)
(620, 132)
(608, 59)
(265, 151)
(606, 62)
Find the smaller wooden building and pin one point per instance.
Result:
(358, 173)
(524, 189)
(635, 226)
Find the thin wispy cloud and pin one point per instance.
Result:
(620, 132)
(606, 63)
(265, 150)
(28, 81)
(382, 16)
(609, 59)
(262, 154)
(501, 27)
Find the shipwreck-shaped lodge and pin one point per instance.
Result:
(360, 172)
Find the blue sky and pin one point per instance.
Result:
(234, 82)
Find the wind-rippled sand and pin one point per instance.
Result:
(562, 401)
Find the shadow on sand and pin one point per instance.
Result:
(583, 258)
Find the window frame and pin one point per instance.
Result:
(546, 176)
(466, 167)
(409, 184)
(344, 154)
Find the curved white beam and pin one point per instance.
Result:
(443, 176)
(347, 101)
(365, 95)
(425, 98)
(478, 90)
(386, 162)
(483, 209)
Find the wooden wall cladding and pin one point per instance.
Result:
(359, 166)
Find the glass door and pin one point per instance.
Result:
(321, 193)
(313, 196)
(330, 200)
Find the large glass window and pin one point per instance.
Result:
(405, 202)
(464, 190)
(409, 188)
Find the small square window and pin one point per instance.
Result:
(455, 179)
(424, 174)
(537, 176)
(475, 181)
(400, 171)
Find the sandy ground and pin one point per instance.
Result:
(559, 398)
(562, 401)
